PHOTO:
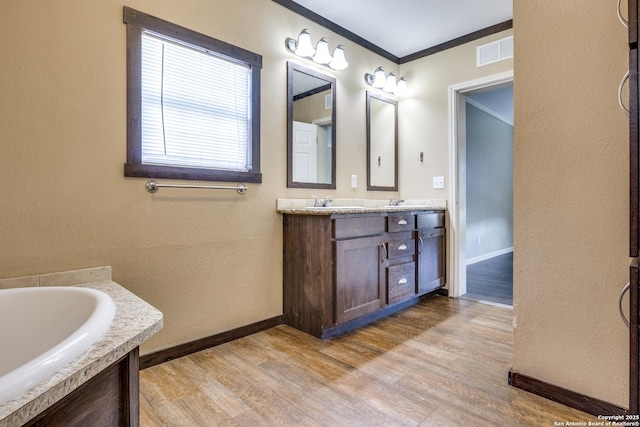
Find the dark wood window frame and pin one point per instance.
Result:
(137, 22)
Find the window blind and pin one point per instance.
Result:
(195, 107)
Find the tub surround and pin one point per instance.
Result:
(356, 206)
(135, 321)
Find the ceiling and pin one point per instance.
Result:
(404, 27)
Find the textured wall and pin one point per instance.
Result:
(570, 197)
(210, 261)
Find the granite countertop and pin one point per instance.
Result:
(135, 321)
(356, 206)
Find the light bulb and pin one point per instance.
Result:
(378, 78)
(390, 85)
(338, 62)
(304, 46)
(322, 55)
(401, 86)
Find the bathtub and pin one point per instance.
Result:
(44, 328)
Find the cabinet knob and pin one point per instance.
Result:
(402, 247)
(402, 222)
(402, 281)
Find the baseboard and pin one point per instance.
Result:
(185, 349)
(566, 397)
(490, 255)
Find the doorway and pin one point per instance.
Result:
(464, 224)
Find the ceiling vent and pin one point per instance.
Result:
(496, 51)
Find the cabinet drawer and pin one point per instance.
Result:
(356, 227)
(401, 282)
(401, 244)
(431, 220)
(400, 222)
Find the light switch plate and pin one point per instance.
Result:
(438, 182)
(354, 181)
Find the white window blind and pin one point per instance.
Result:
(196, 107)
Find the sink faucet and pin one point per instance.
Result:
(322, 203)
(395, 202)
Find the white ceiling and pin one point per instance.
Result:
(403, 27)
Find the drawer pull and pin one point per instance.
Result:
(386, 254)
(402, 281)
(402, 247)
(402, 222)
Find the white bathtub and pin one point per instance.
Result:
(44, 328)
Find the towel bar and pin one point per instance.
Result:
(152, 187)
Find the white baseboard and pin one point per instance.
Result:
(489, 255)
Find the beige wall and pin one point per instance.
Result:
(424, 113)
(570, 197)
(210, 261)
(311, 108)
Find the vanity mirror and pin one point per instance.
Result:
(311, 135)
(382, 142)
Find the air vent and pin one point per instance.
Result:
(496, 51)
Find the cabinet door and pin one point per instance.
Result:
(359, 282)
(431, 259)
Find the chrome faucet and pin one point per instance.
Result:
(322, 203)
(395, 202)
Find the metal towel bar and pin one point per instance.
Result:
(152, 187)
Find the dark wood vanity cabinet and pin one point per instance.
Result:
(345, 270)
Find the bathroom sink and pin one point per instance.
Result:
(44, 328)
(405, 207)
(334, 208)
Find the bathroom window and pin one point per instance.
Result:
(193, 104)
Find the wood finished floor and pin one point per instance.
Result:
(443, 362)
(491, 280)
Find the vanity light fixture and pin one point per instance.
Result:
(386, 82)
(320, 54)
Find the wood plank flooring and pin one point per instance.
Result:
(443, 362)
(491, 280)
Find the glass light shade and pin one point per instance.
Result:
(401, 86)
(304, 46)
(391, 83)
(322, 55)
(378, 78)
(338, 62)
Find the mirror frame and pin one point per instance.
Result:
(376, 95)
(293, 67)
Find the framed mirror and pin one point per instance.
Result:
(382, 142)
(311, 134)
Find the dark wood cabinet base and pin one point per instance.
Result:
(328, 333)
(111, 398)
